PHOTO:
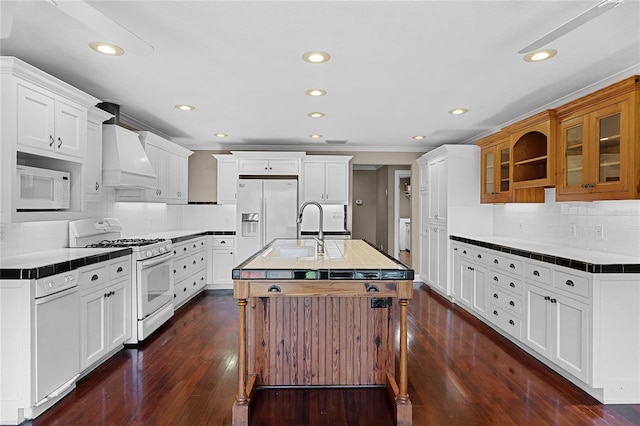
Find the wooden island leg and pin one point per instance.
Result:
(403, 404)
(240, 413)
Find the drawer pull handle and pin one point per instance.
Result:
(495, 313)
(223, 242)
(495, 278)
(174, 271)
(479, 256)
(94, 277)
(536, 273)
(184, 289)
(274, 289)
(512, 285)
(371, 288)
(496, 261)
(512, 266)
(554, 301)
(495, 295)
(51, 141)
(511, 322)
(194, 283)
(512, 303)
(119, 269)
(547, 298)
(464, 252)
(570, 283)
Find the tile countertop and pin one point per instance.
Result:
(575, 258)
(50, 262)
(179, 235)
(343, 259)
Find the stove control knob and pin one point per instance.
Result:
(49, 284)
(148, 253)
(161, 250)
(168, 247)
(154, 252)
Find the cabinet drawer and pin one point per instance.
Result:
(472, 254)
(505, 263)
(94, 276)
(574, 284)
(181, 269)
(188, 247)
(537, 272)
(506, 320)
(505, 300)
(506, 282)
(197, 261)
(218, 241)
(119, 269)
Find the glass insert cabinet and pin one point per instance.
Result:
(496, 168)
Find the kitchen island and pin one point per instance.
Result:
(322, 319)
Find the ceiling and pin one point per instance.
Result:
(396, 67)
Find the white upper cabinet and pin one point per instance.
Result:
(275, 166)
(325, 179)
(92, 168)
(227, 178)
(50, 125)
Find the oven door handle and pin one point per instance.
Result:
(156, 260)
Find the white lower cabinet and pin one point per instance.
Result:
(105, 309)
(469, 280)
(437, 253)
(189, 269)
(222, 261)
(557, 327)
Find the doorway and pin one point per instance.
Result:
(402, 216)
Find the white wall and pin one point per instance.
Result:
(549, 222)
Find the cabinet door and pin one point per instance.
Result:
(223, 263)
(227, 182)
(247, 167)
(119, 324)
(456, 274)
(177, 178)
(284, 167)
(538, 320)
(71, 129)
(571, 335)
(466, 284)
(158, 159)
(424, 255)
(313, 182)
(479, 297)
(437, 258)
(488, 178)
(610, 141)
(336, 188)
(572, 158)
(36, 119)
(92, 167)
(437, 187)
(93, 310)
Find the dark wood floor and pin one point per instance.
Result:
(462, 373)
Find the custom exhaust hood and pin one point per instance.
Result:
(124, 161)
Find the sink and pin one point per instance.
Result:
(291, 252)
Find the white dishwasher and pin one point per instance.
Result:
(57, 335)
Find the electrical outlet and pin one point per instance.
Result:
(572, 230)
(521, 227)
(599, 232)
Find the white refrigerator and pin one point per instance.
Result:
(266, 209)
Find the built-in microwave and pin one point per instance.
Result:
(41, 189)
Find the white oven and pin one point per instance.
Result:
(155, 284)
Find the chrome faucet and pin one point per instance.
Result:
(320, 238)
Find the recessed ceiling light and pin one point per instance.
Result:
(540, 55)
(418, 137)
(185, 107)
(316, 57)
(220, 135)
(316, 114)
(315, 136)
(106, 48)
(316, 92)
(458, 111)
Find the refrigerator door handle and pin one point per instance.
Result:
(263, 230)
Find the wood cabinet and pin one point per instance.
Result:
(227, 184)
(50, 124)
(189, 269)
(325, 179)
(599, 145)
(92, 167)
(171, 164)
(495, 168)
(105, 309)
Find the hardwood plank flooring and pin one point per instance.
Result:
(462, 373)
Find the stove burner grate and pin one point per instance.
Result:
(125, 242)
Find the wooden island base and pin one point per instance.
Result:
(297, 338)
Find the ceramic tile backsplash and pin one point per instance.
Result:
(608, 226)
(212, 217)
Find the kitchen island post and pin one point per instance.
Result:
(326, 320)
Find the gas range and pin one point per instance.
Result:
(142, 248)
(107, 233)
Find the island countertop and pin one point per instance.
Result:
(291, 259)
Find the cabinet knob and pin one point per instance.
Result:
(511, 322)
(554, 301)
(512, 285)
(547, 298)
(512, 303)
(512, 266)
(495, 313)
(94, 277)
(119, 269)
(496, 261)
(479, 256)
(495, 295)
(495, 278)
(464, 251)
(570, 283)
(536, 273)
